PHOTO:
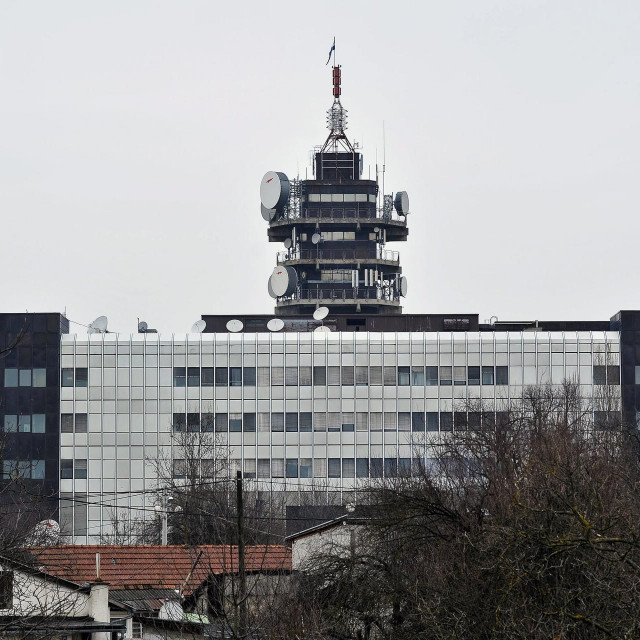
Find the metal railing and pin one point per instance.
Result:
(379, 294)
(355, 210)
(353, 255)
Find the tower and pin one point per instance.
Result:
(335, 228)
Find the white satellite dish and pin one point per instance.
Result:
(45, 532)
(234, 326)
(287, 243)
(321, 329)
(267, 214)
(403, 286)
(320, 313)
(198, 326)
(401, 203)
(275, 324)
(270, 288)
(315, 238)
(274, 190)
(283, 281)
(99, 325)
(142, 326)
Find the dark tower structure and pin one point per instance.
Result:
(335, 229)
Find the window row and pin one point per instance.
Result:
(25, 377)
(25, 423)
(73, 469)
(77, 377)
(70, 425)
(339, 376)
(33, 469)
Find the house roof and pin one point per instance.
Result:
(329, 524)
(157, 567)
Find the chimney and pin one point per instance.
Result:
(99, 602)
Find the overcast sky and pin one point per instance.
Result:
(133, 137)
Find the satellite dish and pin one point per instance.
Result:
(376, 229)
(275, 324)
(401, 203)
(315, 238)
(270, 288)
(403, 286)
(283, 281)
(198, 326)
(99, 325)
(234, 326)
(287, 243)
(320, 313)
(267, 214)
(45, 532)
(274, 190)
(142, 326)
(322, 329)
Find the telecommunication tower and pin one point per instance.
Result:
(335, 229)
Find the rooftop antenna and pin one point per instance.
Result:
(99, 325)
(384, 158)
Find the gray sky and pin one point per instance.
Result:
(133, 136)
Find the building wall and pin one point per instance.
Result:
(138, 387)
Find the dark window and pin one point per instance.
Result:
(446, 421)
(431, 376)
(193, 377)
(81, 423)
(291, 422)
(599, 374)
(333, 376)
(82, 376)
(417, 376)
(249, 421)
(460, 420)
(305, 468)
(235, 422)
(66, 380)
(606, 420)
(362, 467)
(80, 469)
(487, 375)
(417, 422)
(179, 376)
(390, 467)
(6, 589)
(66, 423)
(207, 422)
(179, 468)
(362, 376)
(277, 422)
(179, 422)
(292, 468)
(474, 420)
(206, 377)
(222, 422)
(291, 376)
(249, 375)
(404, 467)
(334, 467)
(235, 376)
(502, 375)
(66, 469)
(348, 468)
(306, 421)
(347, 422)
(389, 376)
(613, 374)
(193, 422)
(404, 376)
(222, 374)
(432, 421)
(474, 375)
(377, 466)
(348, 376)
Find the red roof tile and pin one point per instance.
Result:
(148, 566)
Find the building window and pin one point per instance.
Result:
(222, 422)
(404, 376)
(222, 374)
(417, 422)
(305, 467)
(362, 376)
(474, 375)
(25, 377)
(39, 378)
(390, 376)
(82, 376)
(179, 468)
(66, 423)
(6, 589)
(292, 468)
(10, 423)
(235, 376)
(207, 423)
(375, 375)
(264, 468)
(348, 468)
(446, 376)
(390, 467)
(306, 421)
(249, 376)
(417, 376)
(487, 375)
(249, 422)
(305, 376)
(66, 469)
(291, 376)
(333, 376)
(179, 376)
(432, 421)
(206, 377)
(33, 469)
(179, 422)
(362, 467)
(193, 422)
(459, 376)
(291, 422)
(193, 377)
(431, 376)
(264, 377)
(10, 377)
(80, 469)
(24, 424)
(67, 377)
(446, 421)
(38, 422)
(277, 422)
(277, 468)
(347, 376)
(502, 375)
(319, 376)
(334, 421)
(334, 467)
(235, 422)
(277, 376)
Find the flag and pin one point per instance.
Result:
(333, 48)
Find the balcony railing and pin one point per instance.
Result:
(356, 210)
(352, 255)
(385, 294)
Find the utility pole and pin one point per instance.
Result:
(242, 586)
